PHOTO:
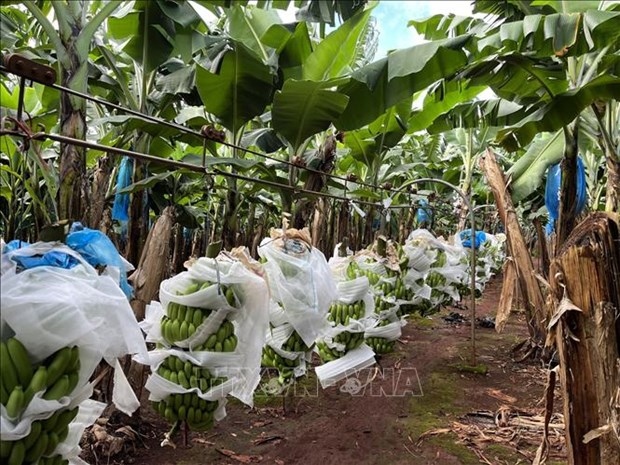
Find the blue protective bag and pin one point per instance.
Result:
(120, 209)
(552, 193)
(465, 236)
(424, 213)
(98, 249)
(14, 245)
(51, 258)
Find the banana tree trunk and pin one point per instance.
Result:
(318, 232)
(612, 194)
(178, 250)
(568, 188)
(344, 218)
(530, 289)
(101, 181)
(315, 182)
(137, 228)
(73, 188)
(331, 230)
(587, 333)
(231, 223)
(368, 236)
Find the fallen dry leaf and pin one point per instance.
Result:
(497, 394)
(240, 457)
(263, 440)
(203, 441)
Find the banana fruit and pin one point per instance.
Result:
(20, 380)
(380, 345)
(188, 406)
(57, 376)
(341, 313)
(44, 437)
(326, 353)
(182, 321)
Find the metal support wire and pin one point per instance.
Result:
(179, 164)
(193, 132)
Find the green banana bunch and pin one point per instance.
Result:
(435, 279)
(398, 290)
(226, 290)
(197, 411)
(20, 380)
(441, 259)
(271, 359)
(380, 345)
(188, 375)
(285, 376)
(341, 313)
(44, 437)
(326, 353)
(354, 271)
(188, 406)
(285, 366)
(181, 321)
(350, 340)
(295, 343)
(223, 340)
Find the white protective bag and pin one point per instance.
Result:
(48, 308)
(360, 357)
(250, 318)
(301, 281)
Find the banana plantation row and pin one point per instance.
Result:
(214, 330)
(298, 120)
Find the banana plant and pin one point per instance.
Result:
(71, 39)
(548, 62)
(148, 76)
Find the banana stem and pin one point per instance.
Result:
(168, 436)
(185, 434)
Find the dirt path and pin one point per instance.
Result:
(417, 409)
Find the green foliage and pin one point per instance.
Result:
(382, 84)
(304, 108)
(237, 88)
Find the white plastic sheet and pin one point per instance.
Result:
(250, 318)
(353, 361)
(48, 308)
(302, 283)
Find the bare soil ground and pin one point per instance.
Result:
(425, 404)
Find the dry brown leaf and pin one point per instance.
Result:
(240, 457)
(116, 446)
(565, 306)
(507, 296)
(497, 394)
(203, 441)
(433, 432)
(129, 432)
(596, 433)
(261, 423)
(263, 440)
